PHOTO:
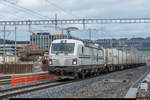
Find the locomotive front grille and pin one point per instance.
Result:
(62, 61)
(68, 62)
(56, 62)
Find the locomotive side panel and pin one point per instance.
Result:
(91, 56)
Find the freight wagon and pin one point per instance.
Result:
(121, 59)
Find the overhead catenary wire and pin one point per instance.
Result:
(14, 7)
(4, 17)
(26, 9)
(62, 9)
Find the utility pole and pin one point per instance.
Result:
(112, 49)
(123, 49)
(132, 53)
(15, 45)
(122, 54)
(126, 53)
(90, 33)
(126, 56)
(135, 55)
(56, 22)
(4, 42)
(29, 31)
(83, 23)
(118, 55)
(62, 29)
(29, 25)
(118, 50)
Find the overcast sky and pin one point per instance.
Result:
(68, 9)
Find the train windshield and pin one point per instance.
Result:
(62, 48)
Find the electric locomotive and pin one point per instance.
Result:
(69, 58)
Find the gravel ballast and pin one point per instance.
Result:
(112, 85)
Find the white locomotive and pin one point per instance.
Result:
(69, 58)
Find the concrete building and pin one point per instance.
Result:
(22, 43)
(43, 40)
(9, 49)
(141, 44)
(7, 54)
(9, 58)
(11, 42)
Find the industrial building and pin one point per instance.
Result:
(9, 52)
(21, 43)
(43, 40)
(9, 49)
(141, 44)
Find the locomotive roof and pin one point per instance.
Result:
(68, 41)
(87, 44)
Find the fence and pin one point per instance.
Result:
(142, 94)
(45, 67)
(19, 68)
(16, 68)
(29, 78)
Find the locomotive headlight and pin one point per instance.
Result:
(74, 62)
(50, 62)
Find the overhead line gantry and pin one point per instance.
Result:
(76, 21)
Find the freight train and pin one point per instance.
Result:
(70, 58)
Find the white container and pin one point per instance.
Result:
(111, 56)
(115, 56)
(144, 86)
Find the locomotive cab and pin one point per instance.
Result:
(63, 57)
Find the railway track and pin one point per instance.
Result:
(13, 92)
(5, 77)
(23, 87)
(4, 80)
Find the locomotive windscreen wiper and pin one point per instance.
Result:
(62, 47)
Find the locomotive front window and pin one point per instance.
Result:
(62, 48)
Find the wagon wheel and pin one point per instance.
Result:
(76, 75)
(82, 75)
(97, 73)
(106, 70)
